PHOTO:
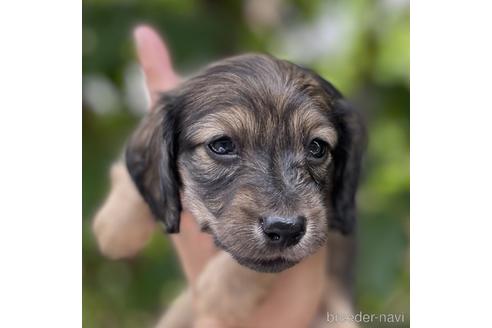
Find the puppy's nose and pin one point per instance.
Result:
(282, 231)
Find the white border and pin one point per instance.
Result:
(40, 165)
(450, 163)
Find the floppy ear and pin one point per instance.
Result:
(347, 157)
(151, 160)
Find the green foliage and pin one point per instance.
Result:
(369, 63)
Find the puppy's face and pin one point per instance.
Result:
(262, 152)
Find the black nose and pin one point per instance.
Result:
(283, 232)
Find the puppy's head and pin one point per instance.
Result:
(264, 154)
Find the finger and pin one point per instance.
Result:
(156, 63)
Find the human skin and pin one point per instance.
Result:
(296, 293)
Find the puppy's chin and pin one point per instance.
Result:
(268, 266)
(274, 265)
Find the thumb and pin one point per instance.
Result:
(155, 61)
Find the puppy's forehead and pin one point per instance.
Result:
(254, 94)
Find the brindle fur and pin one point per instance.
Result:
(271, 109)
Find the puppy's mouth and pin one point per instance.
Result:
(269, 266)
(274, 265)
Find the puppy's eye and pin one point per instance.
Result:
(317, 148)
(223, 146)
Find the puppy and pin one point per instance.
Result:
(266, 155)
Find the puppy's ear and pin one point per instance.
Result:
(347, 157)
(348, 161)
(151, 160)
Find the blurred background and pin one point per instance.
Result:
(362, 47)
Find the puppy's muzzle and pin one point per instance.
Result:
(283, 232)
